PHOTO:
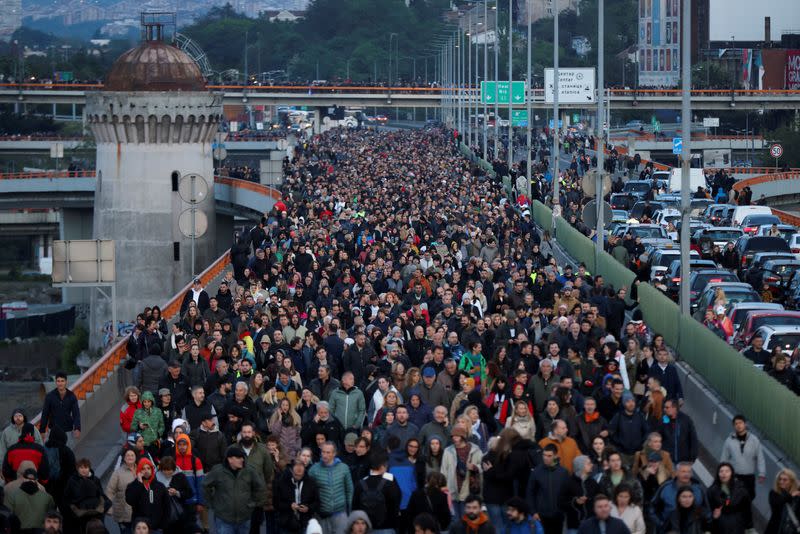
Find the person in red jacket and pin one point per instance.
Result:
(26, 449)
(132, 403)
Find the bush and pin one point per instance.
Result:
(77, 342)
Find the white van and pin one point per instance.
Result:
(740, 212)
(697, 178)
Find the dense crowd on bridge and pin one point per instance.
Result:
(396, 349)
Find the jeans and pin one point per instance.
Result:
(335, 524)
(497, 516)
(223, 527)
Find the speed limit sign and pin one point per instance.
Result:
(776, 150)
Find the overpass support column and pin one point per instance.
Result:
(225, 233)
(317, 121)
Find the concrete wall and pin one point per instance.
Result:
(143, 140)
(224, 238)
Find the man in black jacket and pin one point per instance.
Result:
(323, 423)
(679, 434)
(544, 488)
(197, 294)
(602, 522)
(177, 384)
(148, 497)
(61, 409)
(296, 498)
(358, 356)
(384, 509)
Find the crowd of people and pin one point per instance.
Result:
(396, 349)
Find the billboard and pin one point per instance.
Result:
(659, 43)
(792, 78)
(83, 261)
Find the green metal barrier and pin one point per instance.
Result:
(542, 215)
(578, 245)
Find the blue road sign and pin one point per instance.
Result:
(677, 145)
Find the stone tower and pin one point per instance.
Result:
(153, 122)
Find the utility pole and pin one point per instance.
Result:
(470, 125)
(686, 152)
(554, 170)
(601, 152)
(496, 44)
(485, 74)
(510, 84)
(528, 106)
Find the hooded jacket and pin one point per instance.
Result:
(11, 433)
(148, 498)
(30, 502)
(26, 449)
(208, 446)
(233, 495)
(192, 468)
(153, 420)
(120, 479)
(153, 368)
(126, 413)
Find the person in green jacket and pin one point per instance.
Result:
(30, 502)
(473, 362)
(335, 488)
(261, 462)
(149, 422)
(233, 490)
(347, 403)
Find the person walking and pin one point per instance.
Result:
(472, 520)
(461, 466)
(61, 409)
(335, 484)
(678, 431)
(545, 485)
(261, 462)
(784, 493)
(728, 499)
(602, 521)
(12, 432)
(122, 476)
(378, 494)
(233, 491)
(744, 452)
(147, 497)
(296, 498)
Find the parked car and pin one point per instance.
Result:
(751, 223)
(698, 280)
(786, 337)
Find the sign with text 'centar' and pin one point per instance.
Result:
(575, 86)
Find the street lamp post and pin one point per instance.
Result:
(485, 73)
(510, 84)
(686, 152)
(554, 171)
(528, 105)
(496, 44)
(470, 128)
(601, 152)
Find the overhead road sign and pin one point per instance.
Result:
(498, 92)
(575, 86)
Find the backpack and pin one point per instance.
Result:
(53, 462)
(374, 502)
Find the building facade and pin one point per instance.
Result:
(659, 48)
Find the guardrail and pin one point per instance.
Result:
(47, 174)
(534, 92)
(793, 174)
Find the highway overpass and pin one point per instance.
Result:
(421, 97)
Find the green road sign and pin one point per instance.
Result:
(519, 117)
(492, 92)
(576, 118)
